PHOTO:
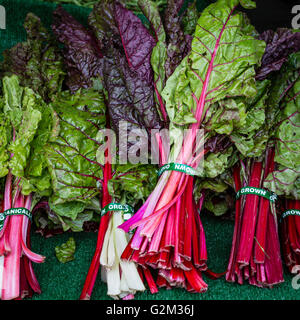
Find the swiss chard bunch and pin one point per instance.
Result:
(114, 66)
(215, 77)
(267, 143)
(27, 123)
(284, 179)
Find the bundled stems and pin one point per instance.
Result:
(122, 277)
(255, 252)
(95, 264)
(290, 235)
(17, 277)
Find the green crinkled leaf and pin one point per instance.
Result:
(28, 122)
(47, 130)
(217, 207)
(32, 123)
(72, 220)
(71, 157)
(21, 147)
(151, 12)
(13, 96)
(285, 99)
(248, 4)
(284, 181)
(65, 252)
(68, 209)
(134, 5)
(224, 116)
(76, 225)
(37, 61)
(134, 181)
(216, 163)
(41, 184)
(4, 141)
(212, 184)
(288, 133)
(190, 19)
(252, 136)
(232, 73)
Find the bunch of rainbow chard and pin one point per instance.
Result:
(106, 59)
(80, 176)
(27, 123)
(56, 152)
(269, 164)
(214, 78)
(284, 178)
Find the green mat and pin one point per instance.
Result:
(65, 281)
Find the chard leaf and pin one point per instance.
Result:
(151, 12)
(128, 76)
(37, 61)
(101, 20)
(225, 116)
(71, 157)
(131, 100)
(216, 163)
(69, 209)
(178, 43)
(280, 44)
(253, 134)
(134, 181)
(65, 252)
(4, 141)
(216, 185)
(134, 5)
(159, 52)
(216, 204)
(288, 133)
(284, 181)
(190, 19)
(31, 123)
(217, 143)
(137, 42)
(82, 54)
(20, 148)
(285, 99)
(221, 64)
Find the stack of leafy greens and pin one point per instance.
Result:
(85, 109)
(31, 74)
(210, 90)
(267, 143)
(61, 160)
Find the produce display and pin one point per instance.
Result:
(135, 124)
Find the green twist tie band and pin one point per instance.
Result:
(271, 196)
(128, 210)
(291, 212)
(14, 212)
(176, 167)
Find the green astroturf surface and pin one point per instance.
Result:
(65, 281)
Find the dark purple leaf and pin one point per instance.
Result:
(218, 143)
(280, 45)
(102, 21)
(127, 70)
(137, 42)
(82, 53)
(179, 44)
(130, 98)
